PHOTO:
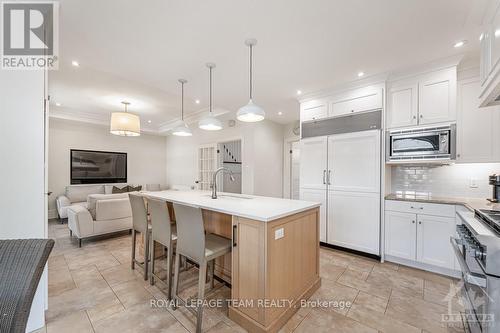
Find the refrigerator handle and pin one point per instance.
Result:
(329, 177)
(324, 177)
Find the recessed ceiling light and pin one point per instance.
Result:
(360, 74)
(299, 92)
(280, 113)
(149, 121)
(75, 63)
(197, 101)
(58, 104)
(460, 43)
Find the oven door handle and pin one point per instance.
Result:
(468, 276)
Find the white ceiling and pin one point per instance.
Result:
(137, 50)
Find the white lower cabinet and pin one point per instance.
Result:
(418, 237)
(317, 196)
(433, 240)
(400, 230)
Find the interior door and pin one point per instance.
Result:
(317, 196)
(400, 234)
(433, 240)
(354, 220)
(313, 163)
(354, 162)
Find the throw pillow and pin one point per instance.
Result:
(134, 189)
(124, 189)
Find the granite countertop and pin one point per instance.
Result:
(470, 203)
(249, 206)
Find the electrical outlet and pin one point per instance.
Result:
(473, 183)
(279, 233)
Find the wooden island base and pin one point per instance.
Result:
(272, 267)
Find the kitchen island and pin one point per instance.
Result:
(274, 263)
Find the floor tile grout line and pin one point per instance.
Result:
(90, 321)
(387, 305)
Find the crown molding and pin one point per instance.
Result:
(191, 118)
(93, 119)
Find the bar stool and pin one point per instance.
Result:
(140, 224)
(198, 247)
(165, 233)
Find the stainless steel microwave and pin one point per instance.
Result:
(424, 144)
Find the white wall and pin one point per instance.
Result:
(146, 154)
(22, 142)
(262, 151)
(448, 180)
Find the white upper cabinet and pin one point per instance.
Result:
(437, 97)
(313, 163)
(402, 101)
(422, 100)
(477, 136)
(490, 56)
(358, 100)
(313, 110)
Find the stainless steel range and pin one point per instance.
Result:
(478, 251)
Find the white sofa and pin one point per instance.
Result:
(102, 214)
(77, 195)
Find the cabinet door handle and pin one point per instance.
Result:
(421, 116)
(234, 234)
(414, 117)
(329, 176)
(413, 221)
(419, 222)
(324, 177)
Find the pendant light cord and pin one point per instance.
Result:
(210, 89)
(251, 79)
(182, 101)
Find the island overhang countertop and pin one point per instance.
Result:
(248, 206)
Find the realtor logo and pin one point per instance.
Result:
(29, 35)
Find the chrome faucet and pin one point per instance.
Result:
(214, 180)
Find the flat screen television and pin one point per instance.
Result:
(97, 167)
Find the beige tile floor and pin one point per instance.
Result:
(93, 289)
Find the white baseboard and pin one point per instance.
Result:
(52, 214)
(425, 267)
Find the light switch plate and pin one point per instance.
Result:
(279, 233)
(473, 183)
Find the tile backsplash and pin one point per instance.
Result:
(456, 180)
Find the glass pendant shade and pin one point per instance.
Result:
(250, 113)
(125, 124)
(182, 130)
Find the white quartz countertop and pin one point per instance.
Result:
(248, 206)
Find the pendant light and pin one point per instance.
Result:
(210, 123)
(251, 112)
(183, 129)
(124, 123)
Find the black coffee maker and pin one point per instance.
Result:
(495, 182)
